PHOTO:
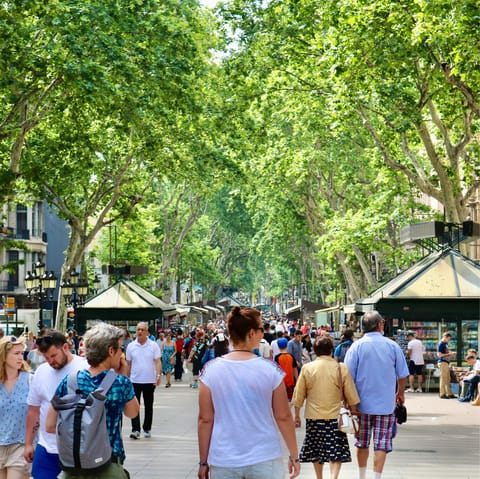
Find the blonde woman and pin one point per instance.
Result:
(14, 384)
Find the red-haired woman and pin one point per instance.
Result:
(237, 431)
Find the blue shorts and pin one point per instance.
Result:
(45, 465)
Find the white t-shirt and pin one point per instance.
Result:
(415, 347)
(143, 358)
(279, 328)
(44, 384)
(244, 431)
(475, 368)
(264, 348)
(275, 348)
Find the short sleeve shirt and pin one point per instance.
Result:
(375, 363)
(142, 357)
(13, 411)
(42, 388)
(442, 347)
(244, 431)
(416, 351)
(118, 395)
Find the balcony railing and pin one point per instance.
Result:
(22, 234)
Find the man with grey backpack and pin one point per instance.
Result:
(94, 399)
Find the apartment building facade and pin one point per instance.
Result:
(45, 238)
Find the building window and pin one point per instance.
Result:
(22, 222)
(37, 219)
(13, 257)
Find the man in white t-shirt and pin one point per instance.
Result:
(265, 349)
(274, 344)
(145, 370)
(59, 363)
(415, 362)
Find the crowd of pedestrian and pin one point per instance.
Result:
(247, 359)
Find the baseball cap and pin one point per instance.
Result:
(282, 343)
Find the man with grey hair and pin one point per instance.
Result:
(103, 348)
(380, 372)
(145, 370)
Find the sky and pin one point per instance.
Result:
(209, 3)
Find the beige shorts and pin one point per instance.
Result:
(12, 456)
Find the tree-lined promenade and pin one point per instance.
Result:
(275, 147)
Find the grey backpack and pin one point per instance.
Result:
(82, 436)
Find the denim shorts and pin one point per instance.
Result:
(262, 470)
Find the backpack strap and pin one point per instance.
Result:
(108, 380)
(72, 382)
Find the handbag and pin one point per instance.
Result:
(401, 413)
(173, 359)
(347, 422)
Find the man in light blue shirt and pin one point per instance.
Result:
(295, 348)
(377, 365)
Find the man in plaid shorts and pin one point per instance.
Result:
(380, 372)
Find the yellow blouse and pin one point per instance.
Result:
(318, 385)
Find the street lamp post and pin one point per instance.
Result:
(96, 284)
(40, 286)
(75, 291)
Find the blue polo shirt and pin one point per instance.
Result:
(375, 363)
(118, 395)
(442, 347)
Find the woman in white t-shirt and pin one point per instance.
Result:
(237, 433)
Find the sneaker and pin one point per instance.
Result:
(444, 396)
(418, 390)
(195, 385)
(147, 434)
(135, 435)
(409, 390)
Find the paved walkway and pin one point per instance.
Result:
(441, 439)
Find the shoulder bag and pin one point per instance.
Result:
(347, 423)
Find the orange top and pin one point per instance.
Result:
(287, 362)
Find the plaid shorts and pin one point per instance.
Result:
(382, 428)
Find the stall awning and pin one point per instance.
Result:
(443, 274)
(328, 310)
(125, 294)
(198, 309)
(211, 308)
(293, 309)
